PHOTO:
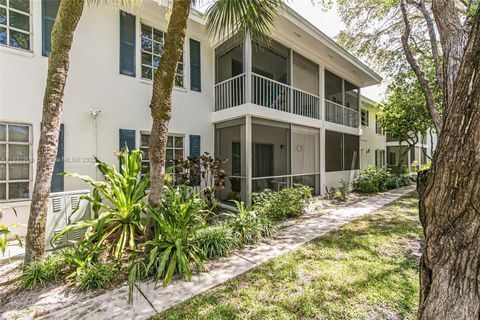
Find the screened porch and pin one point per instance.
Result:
(266, 154)
(279, 78)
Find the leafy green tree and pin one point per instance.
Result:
(224, 17)
(398, 33)
(404, 114)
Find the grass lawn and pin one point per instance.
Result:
(367, 269)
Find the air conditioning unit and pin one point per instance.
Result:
(61, 212)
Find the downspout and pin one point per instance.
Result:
(94, 113)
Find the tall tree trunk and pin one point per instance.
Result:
(450, 201)
(69, 13)
(161, 103)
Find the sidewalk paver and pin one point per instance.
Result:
(152, 299)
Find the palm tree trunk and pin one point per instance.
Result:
(450, 202)
(68, 15)
(161, 103)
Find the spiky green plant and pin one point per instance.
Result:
(216, 241)
(245, 224)
(120, 223)
(95, 276)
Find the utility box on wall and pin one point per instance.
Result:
(65, 208)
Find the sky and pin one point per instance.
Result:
(328, 22)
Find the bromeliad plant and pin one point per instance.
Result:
(119, 219)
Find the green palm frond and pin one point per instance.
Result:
(253, 17)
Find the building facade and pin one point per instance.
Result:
(289, 113)
(380, 148)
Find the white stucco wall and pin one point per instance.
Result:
(370, 140)
(94, 82)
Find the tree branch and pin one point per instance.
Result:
(430, 100)
(433, 39)
(453, 39)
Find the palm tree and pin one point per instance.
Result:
(224, 17)
(68, 16)
(69, 13)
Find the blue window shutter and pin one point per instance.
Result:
(49, 13)
(127, 44)
(126, 136)
(58, 181)
(195, 69)
(195, 154)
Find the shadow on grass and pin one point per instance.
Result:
(346, 274)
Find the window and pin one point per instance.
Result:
(342, 151)
(195, 66)
(364, 117)
(15, 165)
(378, 127)
(175, 148)
(15, 29)
(152, 41)
(380, 158)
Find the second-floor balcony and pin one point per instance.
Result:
(281, 79)
(267, 93)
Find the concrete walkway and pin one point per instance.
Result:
(150, 300)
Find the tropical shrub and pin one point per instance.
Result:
(374, 179)
(180, 215)
(205, 174)
(426, 166)
(245, 224)
(216, 241)
(82, 254)
(391, 182)
(40, 273)
(5, 231)
(266, 226)
(95, 276)
(370, 180)
(286, 203)
(120, 223)
(340, 193)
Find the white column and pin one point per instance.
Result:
(291, 81)
(247, 64)
(321, 93)
(248, 158)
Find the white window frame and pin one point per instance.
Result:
(174, 135)
(181, 62)
(7, 162)
(8, 27)
(367, 115)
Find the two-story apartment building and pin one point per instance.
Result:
(289, 113)
(381, 149)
